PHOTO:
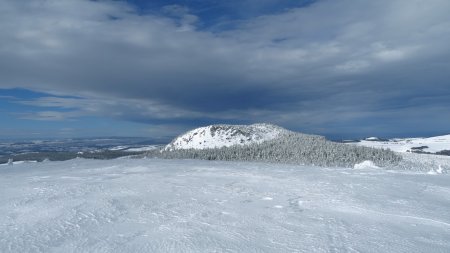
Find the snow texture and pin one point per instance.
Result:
(366, 165)
(151, 205)
(431, 145)
(216, 136)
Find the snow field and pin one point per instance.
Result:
(433, 144)
(151, 205)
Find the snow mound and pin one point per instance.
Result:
(365, 165)
(439, 170)
(216, 136)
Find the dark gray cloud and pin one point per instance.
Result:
(333, 67)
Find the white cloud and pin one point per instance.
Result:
(49, 115)
(353, 66)
(186, 21)
(124, 63)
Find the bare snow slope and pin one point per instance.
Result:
(432, 144)
(146, 205)
(215, 136)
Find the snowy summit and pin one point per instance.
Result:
(216, 136)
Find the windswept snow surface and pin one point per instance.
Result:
(151, 205)
(216, 136)
(432, 144)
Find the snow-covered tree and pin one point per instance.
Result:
(294, 148)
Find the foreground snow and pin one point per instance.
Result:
(147, 205)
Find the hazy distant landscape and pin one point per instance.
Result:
(65, 149)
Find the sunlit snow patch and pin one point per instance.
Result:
(433, 171)
(365, 165)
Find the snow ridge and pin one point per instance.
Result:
(216, 136)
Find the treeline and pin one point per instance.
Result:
(293, 148)
(443, 152)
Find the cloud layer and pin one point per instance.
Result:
(332, 67)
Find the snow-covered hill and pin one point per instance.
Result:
(216, 136)
(269, 143)
(438, 144)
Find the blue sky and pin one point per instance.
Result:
(344, 69)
